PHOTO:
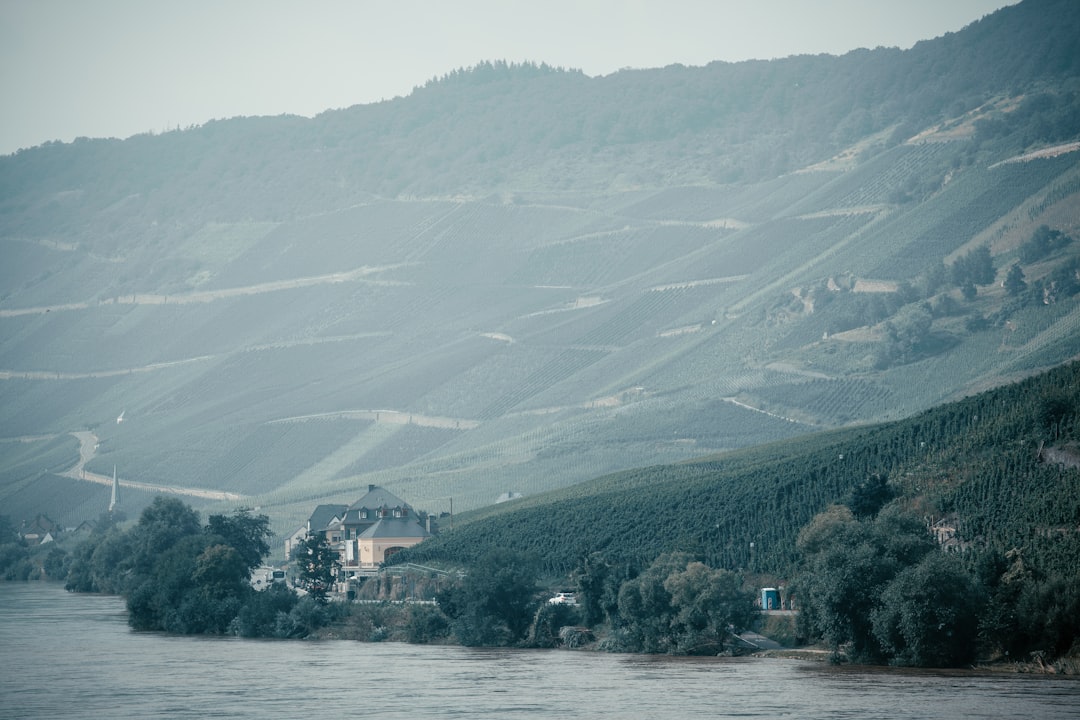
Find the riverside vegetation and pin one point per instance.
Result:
(665, 559)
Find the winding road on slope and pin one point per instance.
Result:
(88, 443)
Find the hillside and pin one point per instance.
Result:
(520, 278)
(1000, 470)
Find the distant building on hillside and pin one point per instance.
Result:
(369, 531)
(42, 530)
(321, 522)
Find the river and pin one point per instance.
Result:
(73, 656)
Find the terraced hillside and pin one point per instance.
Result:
(457, 346)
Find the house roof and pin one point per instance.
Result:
(391, 527)
(323, 515)
(377, 501)
(376, 498)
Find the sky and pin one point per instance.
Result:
(115, 68)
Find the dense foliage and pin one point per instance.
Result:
(1001, 467)
(182, 577)
(681, 606)
(881, 589)
(494, 603)
(14, 555)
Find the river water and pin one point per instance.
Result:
(73, 656)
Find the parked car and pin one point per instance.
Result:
(563, 598)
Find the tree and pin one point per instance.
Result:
(708, 605)
(317, 564)
(248, 534)
(267, 614)
(597, 582)
(1014, 281)
(160, 527)
(870, 496)
(493, 604)
(682, 606)
(905, 334)
(56, 563)
(645, 607)
(883, 590)
(102, 562)
(1041, 243)
(846, 567)
(929, 614)
(975, 266)
(160, 599)
(220, 570)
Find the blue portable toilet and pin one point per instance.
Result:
(770, 599)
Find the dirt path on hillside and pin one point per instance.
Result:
(205, 296)
(151, 367)
(389, 417)
(88, 443)
(1047, 152)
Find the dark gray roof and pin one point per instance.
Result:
(376, 498)
(323, 514)
(391, 527)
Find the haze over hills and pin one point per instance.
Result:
(519, 278)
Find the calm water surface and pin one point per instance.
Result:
(73, 656)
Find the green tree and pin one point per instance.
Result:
(220, 570)
(929, 614)
(248, 534)
(975, 266)
(1014, 281)
(102, 563)
(678, 605)
(597, 583)
(846, 567)
(161, 599)
(1041, 243)
(57, 563)
(708, 605)
(317, 564)
(908, 330)
(645, 609)
(870, 496)
(160, 527)
(266, 614)
(493, 605)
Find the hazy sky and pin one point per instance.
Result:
(114, 68)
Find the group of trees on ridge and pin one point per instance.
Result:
(906, 317)
(498, 124)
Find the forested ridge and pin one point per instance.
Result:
(501, 126)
